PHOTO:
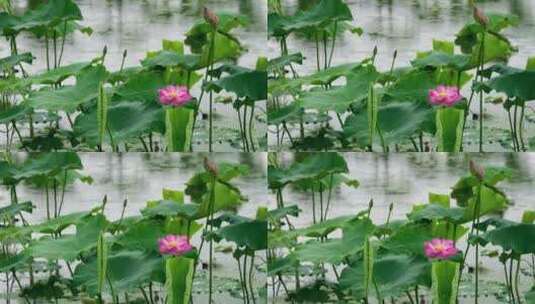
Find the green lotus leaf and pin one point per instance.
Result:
(7, 63)
(520, 238)
(445, 281)
(123, 277)
(324, 12)
(171, 208)
(143, 235)
(14, 209)
(189, 62)
(282, 61)
(436, 212)
(409, 239)
(323, 77)
(334, 251)
(312, 167)
(141, 87)
(69, 98)
(413, 86)
(276, 214)
(45, 15)
(12, 262)
(397, 122)
(519, 85)
(14, 113)
(49, 164)
(126, 120)
(339, 99)
(393, 274)
(251, 235)
(69, 247)
(179, 275)
(249, 84)
(441, 59)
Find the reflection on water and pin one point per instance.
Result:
(406, 179)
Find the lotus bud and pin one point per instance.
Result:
(477, 170)
(210, 17)
(375, 51)
(395, 54)
(104, 202)
(210, 167)
(370, 204)
(480, 17)
(391, 207)
(125, 53)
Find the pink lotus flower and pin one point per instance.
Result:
(174, 245)
(440, 249)
(446, 96)
(174, 95)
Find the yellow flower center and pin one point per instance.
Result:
(439, 247)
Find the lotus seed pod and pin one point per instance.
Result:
(210, 167)
(210, 17)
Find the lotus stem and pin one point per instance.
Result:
(241, 281)
(329, 194)
(511, 280)
(245, 128)
(47, 52)
(245, 278)
(125, 53)
(517, 278)
(211, 249)
(521, 126)
(393, 61)
(55, 46)
(317, 52)
(62, 42)
(482, 63)
(251, 124)
(251, 285)
(333, 43)
(211, 68)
